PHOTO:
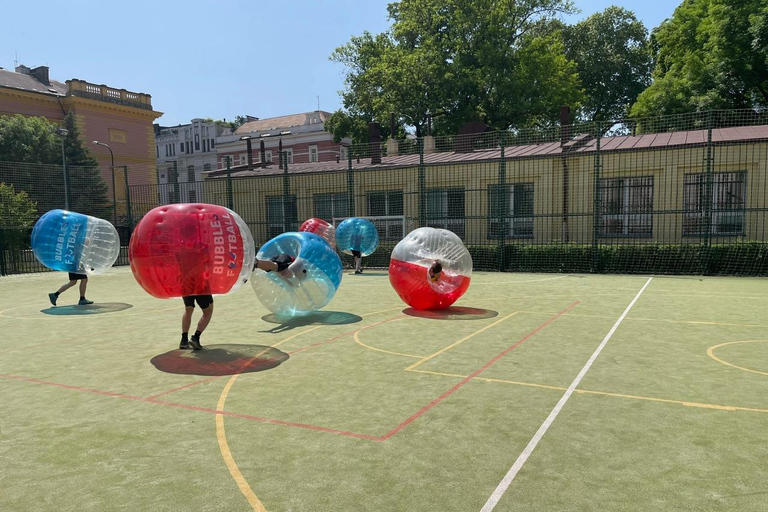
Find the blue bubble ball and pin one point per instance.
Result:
(308, 284)
(73, 242)
(357, 234)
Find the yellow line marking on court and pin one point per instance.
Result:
(730, 408)
(529, 384)
(221, 434)
(711, 353)
(462, 340)
(357, 340)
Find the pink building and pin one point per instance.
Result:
(301, 136)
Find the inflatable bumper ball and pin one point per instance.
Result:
(73, 242)
(430, 268)
(322, 228)
(191, 249)
(309, 282)
(356, 234)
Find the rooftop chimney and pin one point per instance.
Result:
(21, 68)
(41, 73)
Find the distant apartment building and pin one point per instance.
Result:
(117, 117)
(302, 137)
(183, 154)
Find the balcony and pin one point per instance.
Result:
(88, 90)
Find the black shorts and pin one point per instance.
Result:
(356, 254)
(283, 261)
(76, 277)
(202, 300)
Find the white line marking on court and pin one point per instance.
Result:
(515, 469)
(523, 282)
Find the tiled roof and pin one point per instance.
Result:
(585, 145)
(24, 82)
(276, 123)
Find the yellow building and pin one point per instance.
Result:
(119, 118)
(655, 188)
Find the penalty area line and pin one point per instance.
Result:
(493, 500)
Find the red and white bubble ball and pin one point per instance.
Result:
(322, 228)
(414, 256)
(191, 249)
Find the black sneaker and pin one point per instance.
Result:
(183, 344)
(52, 297)
(84, 302)
(194, 342)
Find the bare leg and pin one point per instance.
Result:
(358, 263)
(66, 287)
(186, 319)
(83, 286)
(205, 319)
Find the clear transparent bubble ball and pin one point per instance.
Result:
(73, 242)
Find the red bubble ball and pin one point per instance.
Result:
(321, 228)
(191, 249)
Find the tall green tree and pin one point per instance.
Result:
(17, 210)
(612, 52)
(31, 158)
(461, 60)
(711, 54)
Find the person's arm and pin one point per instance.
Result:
(266, 265)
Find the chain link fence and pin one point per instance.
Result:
(683, 194)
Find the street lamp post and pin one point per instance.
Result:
(62, 132)
(114, 193)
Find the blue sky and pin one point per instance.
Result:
(218, 58)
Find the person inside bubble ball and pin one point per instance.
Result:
(356, 248)
(278, 263)
(73, 279)
(194, 262)
(435, 271)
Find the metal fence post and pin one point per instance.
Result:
(128, 200)
(422, 185)
(114, 197)
(350, 185)
(596, 201)
(708, 199)
(3, 269)
(286, 193)
(503, 204)
(230, 195)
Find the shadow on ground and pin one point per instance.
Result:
(216, 360)
(90, 309)
(316, 318)
(453, 313)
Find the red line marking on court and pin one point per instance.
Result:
(184, 387)
(487, 365)
(195, 408)
(401, 426)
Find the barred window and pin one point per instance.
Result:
(281, 214)
(328, 206)
(626, 206)
(387, 204)
(517, 212)
(445, 209)
(726, 201)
